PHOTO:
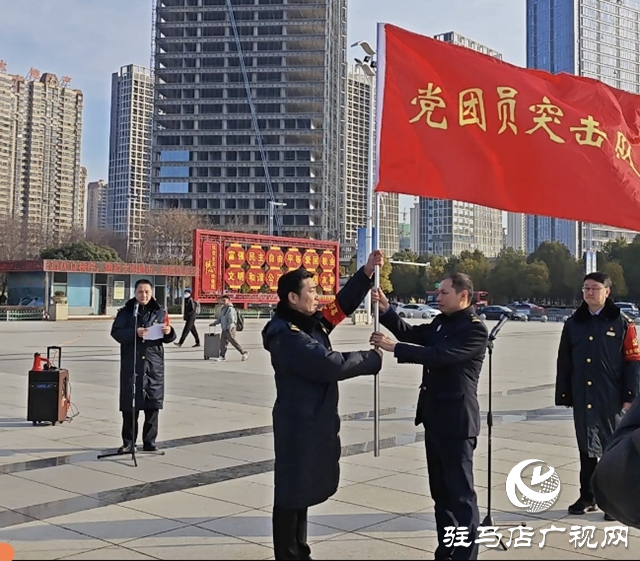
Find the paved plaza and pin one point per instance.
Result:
(210, 495)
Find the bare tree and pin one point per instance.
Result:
(169, 236)
(19, 239)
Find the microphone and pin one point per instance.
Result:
(135, 310)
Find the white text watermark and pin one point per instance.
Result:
(522, 536)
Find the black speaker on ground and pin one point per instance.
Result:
(49, 395)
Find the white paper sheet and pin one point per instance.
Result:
(154, 332)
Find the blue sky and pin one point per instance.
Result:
(88, 40)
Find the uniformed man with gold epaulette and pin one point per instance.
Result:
(598, 373)
(451, 349)
(305, 415)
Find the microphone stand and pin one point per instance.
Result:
(134, 420)
(488, 519)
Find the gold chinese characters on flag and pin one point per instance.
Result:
(457, 124)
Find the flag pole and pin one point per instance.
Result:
(368, 67)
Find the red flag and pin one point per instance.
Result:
(458, 124)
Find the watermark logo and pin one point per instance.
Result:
(543, 492)
(6, 552)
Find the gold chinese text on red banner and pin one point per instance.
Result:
(457, 124)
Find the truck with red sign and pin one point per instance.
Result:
(247, 267)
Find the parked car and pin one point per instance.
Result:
(417, 311)
(526, 308)
(496, 313)
(629, 308)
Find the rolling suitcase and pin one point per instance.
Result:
(211, 345)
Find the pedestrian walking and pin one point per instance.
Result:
(451, 350)
(228, 322)
(598, 372)
(191, 311)
(306, 424)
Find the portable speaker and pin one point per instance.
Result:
(49, 395)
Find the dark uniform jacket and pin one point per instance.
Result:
(150, 356)
(595, 374)
(452, 349)
(616, 481)
(305, 415)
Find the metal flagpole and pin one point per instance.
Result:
(368, 66)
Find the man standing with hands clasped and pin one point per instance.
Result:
(597, 375)
(451, 350)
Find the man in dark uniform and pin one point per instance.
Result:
(615, 481)
(597, 374)
(305, 415)
(451, 349)
(130, 329)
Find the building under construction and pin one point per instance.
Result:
(41, 181)
(249, 112)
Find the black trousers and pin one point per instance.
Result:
(189, 327)
(149, 429)
(450, 465)
(290, 534)
(587, 468)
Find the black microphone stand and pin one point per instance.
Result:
(134, 420)
(488, 519)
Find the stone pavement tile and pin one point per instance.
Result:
(354, 546)
(397, 502)
(18, 493)
(401, 527)
(520, 453)
(150, 468)
(407, 482)
(195, 461)
(115, 524)
(254, 526)
(14, 456)
(231, 450)
(239, 492)
(413, 452)
(261, 479)
(185, 507)
(194, 542)
(94, 441)
(346, 517)
(258, 440)
(108, 553)
(43, 540)
(77, 479)
(359, 474)
(428, 543)
(541, 438)
(391, 463)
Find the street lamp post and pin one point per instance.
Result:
(272, 205)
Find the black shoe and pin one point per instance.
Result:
(609, 518)
(582, 506)
(125, 449)
(196, 345)
(148, 447)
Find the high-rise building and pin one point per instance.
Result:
(414, 233)
(40, 134)
(360, 112)
(593, 38)
(130, 152)
(450, 227)
(97, 206)
(516, 231)
(206, 154)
